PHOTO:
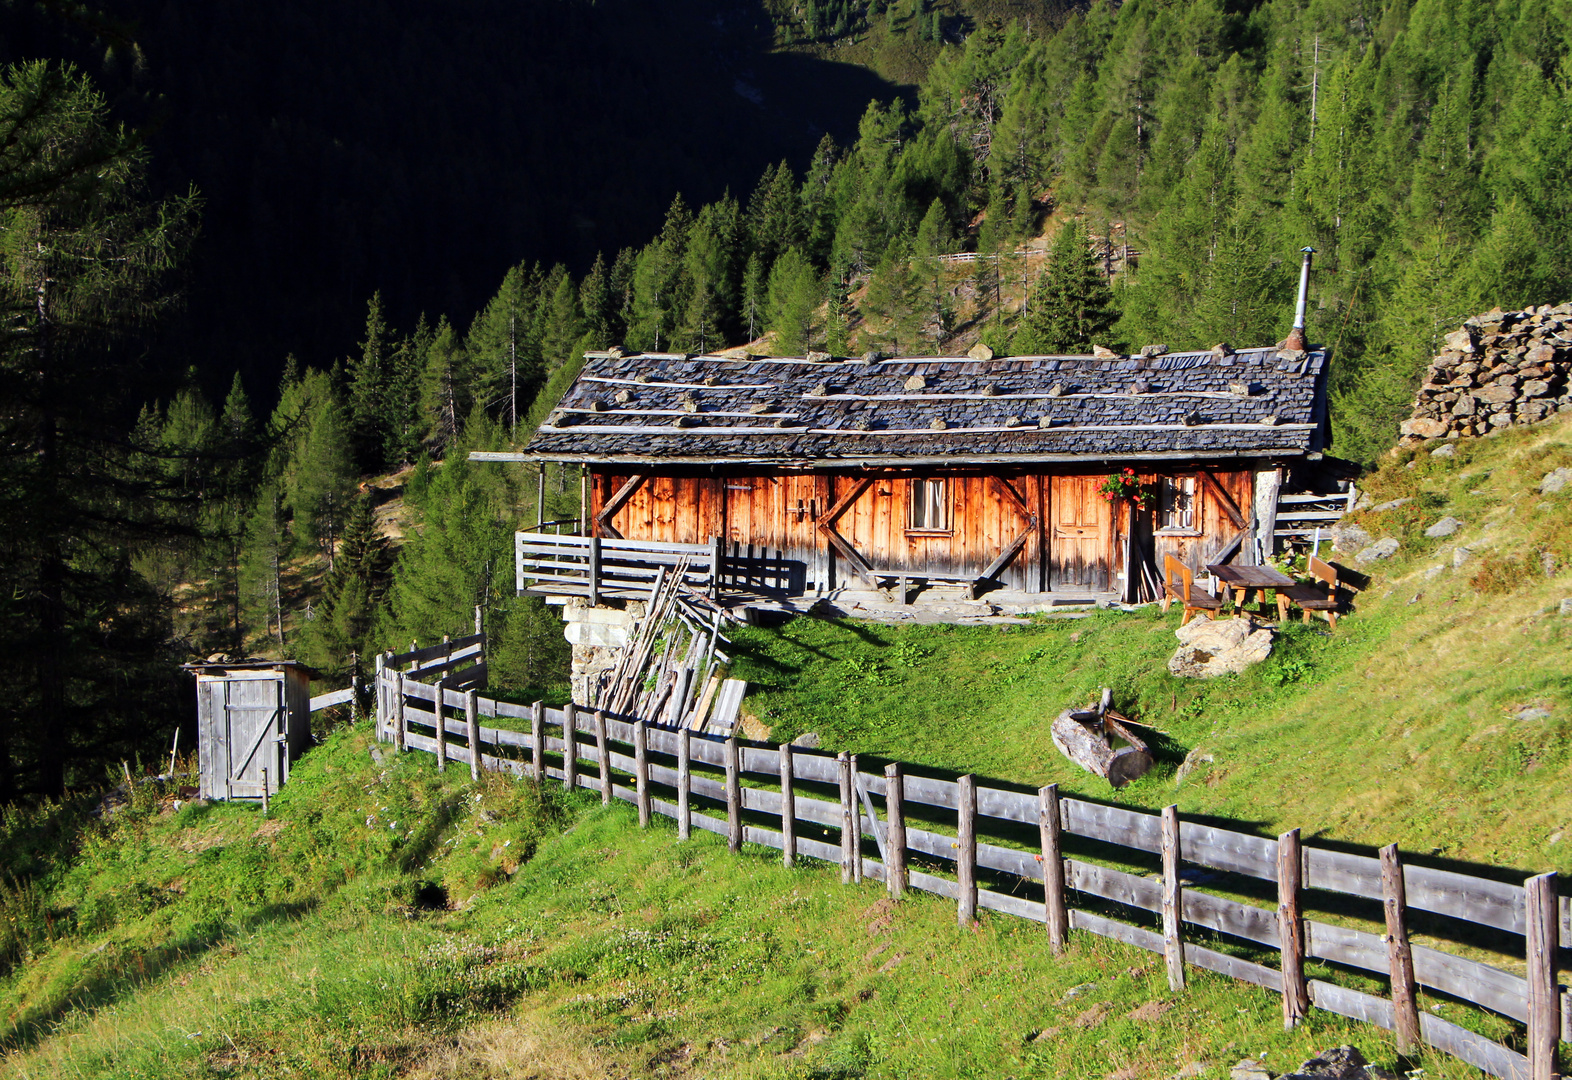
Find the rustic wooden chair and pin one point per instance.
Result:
(1179, 584)
(1312, 597)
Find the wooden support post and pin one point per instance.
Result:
(584, 529)
(966, 851)
(1055, 916)
(641, 770)
(570, 747)
(717, 556)
(398, 711)
(894, 831)
(442, 727)
(843, 762)
(477, 619)
(1173, 938)
(788, 807)
(594, 570)
(856, 807)
(537, 729)
(1291, 929)
(264, 792)
(1400, 960)
(603, 757)
(472, 731)
(1543, 939)
(684, 784)
(381, 703)
(733, 795)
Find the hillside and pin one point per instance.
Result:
(1437, 715)
(388, 922)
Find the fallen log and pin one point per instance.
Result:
(1087, 737)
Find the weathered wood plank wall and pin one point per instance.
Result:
(1076, 546)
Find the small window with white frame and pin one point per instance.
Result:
(928, 505)
(1176, 505)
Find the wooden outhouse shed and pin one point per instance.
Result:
(986, 473)
(253, 721)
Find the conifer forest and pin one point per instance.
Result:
(271, 273)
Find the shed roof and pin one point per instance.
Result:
(672, 408)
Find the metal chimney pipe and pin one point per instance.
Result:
(1304, 289)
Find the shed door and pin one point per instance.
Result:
(248, 718)
(1081, 535)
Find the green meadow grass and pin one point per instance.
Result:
(390, 921)
(574, 944)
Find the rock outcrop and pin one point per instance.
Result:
(1499, 369)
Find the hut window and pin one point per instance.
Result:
(1176, 505)
(929, 507)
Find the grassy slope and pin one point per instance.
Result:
(1399, 727)
(209, 943)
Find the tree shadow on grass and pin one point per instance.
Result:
(123, 974)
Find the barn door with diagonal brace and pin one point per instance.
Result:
(254, 735)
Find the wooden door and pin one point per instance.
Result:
(246, 725)
(1080, 535)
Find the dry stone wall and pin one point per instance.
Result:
(1499, 369)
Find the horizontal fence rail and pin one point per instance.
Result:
(1023, 854)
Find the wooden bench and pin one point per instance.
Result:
(1312, 597)
(1185, 591)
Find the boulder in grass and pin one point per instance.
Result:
(1212, 647)
(1384, 548)
(1445, 527)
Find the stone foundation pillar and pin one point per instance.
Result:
(599, 636)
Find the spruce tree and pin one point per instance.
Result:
(1072, 306)
(346, 614)
(368, 387)
(794, 295)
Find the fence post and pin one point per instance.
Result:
(1291, 928)
(570, 746)
(788, 807)
(966, 853)
(1173, 939)
(641, 770)
(354, 692)
(472, 731)
(442, 727)
(477, 619)
(1543, 938)
(1055, 917)
(264, 792)
(894, 831)
(684, 784)
(604, 756)
(398, 711)
(843, 761)
(1400, 959)
(594, 570)
(380, 702)
(537, 733)
(733, 796)
(856, 809)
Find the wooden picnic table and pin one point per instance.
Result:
(1240, 580)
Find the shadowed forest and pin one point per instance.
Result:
(272, 273)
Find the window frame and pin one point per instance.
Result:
(918, 486)
(1188, 484)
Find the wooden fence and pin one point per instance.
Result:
(1016, 852)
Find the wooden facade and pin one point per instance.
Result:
(1057, 531)
(818, 474)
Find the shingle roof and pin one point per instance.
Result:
(704, 409)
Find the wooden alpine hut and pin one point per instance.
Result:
(1033, 479)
